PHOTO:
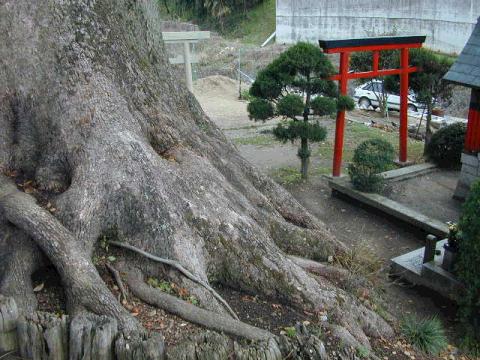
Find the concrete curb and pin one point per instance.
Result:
(408, 172)
(390, 207)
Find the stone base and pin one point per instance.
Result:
(469, 174)
(403, 163)
(410, 266)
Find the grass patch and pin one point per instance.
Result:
(425, 334)
(258, 140)
(360, 261)
(363, 352)
(287, 175)
(252, 26)
(256, 25)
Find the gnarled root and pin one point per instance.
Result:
(181, 269)
(190, 312)
(19, 258)
(84, 287)
(211, 345)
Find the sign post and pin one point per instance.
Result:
(187, 38)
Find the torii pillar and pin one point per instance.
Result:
(375, 45)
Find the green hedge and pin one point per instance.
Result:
(446, 146)
(468, 267)
(370, 158)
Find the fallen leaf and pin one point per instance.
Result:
(182, 292)
(38, 287)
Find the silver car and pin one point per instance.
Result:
(367, 95)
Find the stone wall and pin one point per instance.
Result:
(469, 174)
(447, 23)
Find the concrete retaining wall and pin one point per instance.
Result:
(447, 23)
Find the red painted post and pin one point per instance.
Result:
(340, 125)
(376, 61)
(404, 60)
(472, 137)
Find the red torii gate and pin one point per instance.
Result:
(376, 44)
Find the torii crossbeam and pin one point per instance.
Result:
(345, 48)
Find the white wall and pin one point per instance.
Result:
(447, 23)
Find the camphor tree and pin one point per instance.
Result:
(293, 86)
(99, 141)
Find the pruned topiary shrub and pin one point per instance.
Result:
(370, 158)
(302, 69)
(468, 270)
(262, 109)
(446, 146)
(323, 105)
(345, 103)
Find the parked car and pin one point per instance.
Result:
(365, 97)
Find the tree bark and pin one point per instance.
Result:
(92, 114)
(302, 153)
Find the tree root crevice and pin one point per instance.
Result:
(181, 269)
(191, 312)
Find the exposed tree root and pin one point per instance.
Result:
(21, 258)
(210, 345)
(190, 312)
(181, 269)
(84, 286)
(118, 280)
(330, 272)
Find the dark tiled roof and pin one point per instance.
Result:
(466, 70)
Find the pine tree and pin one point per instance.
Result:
(293, 86)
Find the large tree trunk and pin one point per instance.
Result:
(91, 112)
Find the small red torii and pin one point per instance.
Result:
(375, 44)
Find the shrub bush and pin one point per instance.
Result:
(260, 109)
(245, 95)
(323, 106)
(468, 270)
(370, 158)
(426, 335)
(446, 146)
(292, 130)
(345, 103)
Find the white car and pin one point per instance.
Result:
(366, 95)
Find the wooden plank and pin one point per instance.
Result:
(185, 36)
(179, 59)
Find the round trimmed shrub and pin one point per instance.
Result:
(467, 268)
(446, 146)
(260, 109)
(370, 158)
(323, 106)
(345, 103)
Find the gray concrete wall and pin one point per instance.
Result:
(447, 23)
(469, 174)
